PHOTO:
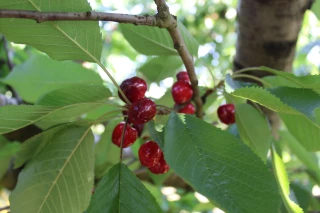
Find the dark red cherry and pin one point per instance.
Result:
(226, 113)
(181, 92)
(130, 136)
(160, 167)
(183, 76)
(134, 88)
(149, 153)
(187, 109)
(139, 128)
(142, 111)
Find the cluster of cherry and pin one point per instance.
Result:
(182, 93)
(140, 111)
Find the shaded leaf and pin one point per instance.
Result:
(61, 40)
(40, 75)
(219, 166)
(157, 136)
(283, 182)
(316, 9)
(121, 191)
(253, 129)
(8, 149)
(59, 178)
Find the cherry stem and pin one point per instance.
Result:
(163, 106)
(122, 138)
(253, 78)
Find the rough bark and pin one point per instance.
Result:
(267, 35)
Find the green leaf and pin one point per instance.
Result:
(7, 151)
(155, 70)
(155, 41)
(106, 153)
(34, 145)
(283, 182)
(75, 94)
(316, 9)
(121, 191)
(40, 75)
(253, 129)
(278, 81)
(303, 155)
(219, 166)
(61, 40)
(157, 136)
(16, 117)
(60, 178)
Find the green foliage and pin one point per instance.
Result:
(60, 177)
(156, 135)
(253, 129)
(219, 166)
(283, 182)
(7, 151)
(121, 191)
(156, 41)
(40, 75)
(316, 8)
(61, 40)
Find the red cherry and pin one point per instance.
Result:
(226, 113)
(160, 167)
(149, 153)
(130, 135)
(134, 88)
(181, 92)
(187, 109)
(139, 128)
(142, 111)
(183, 76)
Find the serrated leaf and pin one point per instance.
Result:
(8, 149)
(61, 40)
(303, 155)
(40, 75)
(121, 191)
(34, 145)
(278, 81)
(60, 178)
(16, 117)
(283, 182)
(157, 136)
(156, 70)
(219, 166)
(156, 41)
(75, 94)
(253, 129)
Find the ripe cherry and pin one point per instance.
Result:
(183, 76)
(149, 153)
(187, 109)
(181, 92)
(160, 167)
(130, 135)
(226, 113)
(134, 88)
(142, 111)
(139, 128)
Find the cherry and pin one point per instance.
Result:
(226, 113)
(181, 92)
(134, 88)
(183, 76)
(142, 111)
(160, 167)
(139, 128)
(187, 109)
(149, 153)
(130, 135)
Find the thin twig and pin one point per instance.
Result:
(122, 138)
(5, 208)
(210, 91)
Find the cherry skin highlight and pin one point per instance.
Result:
(130, 135)
(160, 167)
(188, 109)
(149, 153)
(142, 111)
(183, 76)
(226, 114)
(134, 88)
(181, 92)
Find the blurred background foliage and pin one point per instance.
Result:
(213, 25)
